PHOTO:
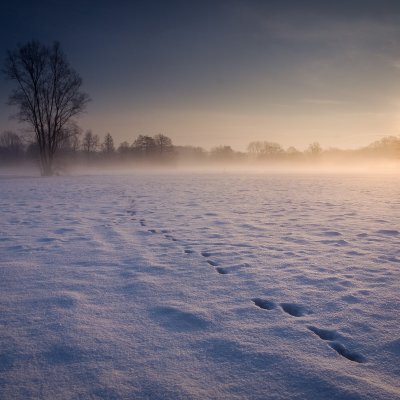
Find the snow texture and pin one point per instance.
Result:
(212, 286)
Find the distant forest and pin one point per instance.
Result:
(88, 149)
(48, 96)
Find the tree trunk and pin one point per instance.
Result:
(46, 167)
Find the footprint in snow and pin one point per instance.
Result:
(46, 239)
(330, 336)
(61, 231)
(388, 232)
(331, 233)
(213, 263)
(346, 353)
(188, 251)
(170, 237)
(264, 304)
(295, 310)
(220, 270)
(324, 334)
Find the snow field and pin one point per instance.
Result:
(200, 286)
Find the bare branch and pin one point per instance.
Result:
(47, 94)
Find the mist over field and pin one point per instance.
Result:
(200, 200)
(85, 153)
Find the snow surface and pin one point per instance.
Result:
(213, 286)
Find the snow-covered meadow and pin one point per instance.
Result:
(200, 286)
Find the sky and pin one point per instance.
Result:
(209, 73)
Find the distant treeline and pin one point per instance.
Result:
(145, 149)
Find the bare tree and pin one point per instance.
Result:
(90, 142)
(144, 145)
(222, 153)
(47, 95)
(314, 150)
(108, 145)
(255, 148)
(10, 140)
(388, 146)
(124, 150)
(11, 146)
(163, 144)
(265, 150)
(75, 143)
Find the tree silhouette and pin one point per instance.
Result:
(267, 150)
(388, 146)
(145, 145)
(90, 142)
(124, 151)
(11, 146)
(163, 144)
(222, 153)
(47, 95)
(293, 154)
(314, 150)
(108, 145)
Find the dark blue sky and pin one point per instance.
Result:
(225, 72)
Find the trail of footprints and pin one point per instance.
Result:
(331, 337)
